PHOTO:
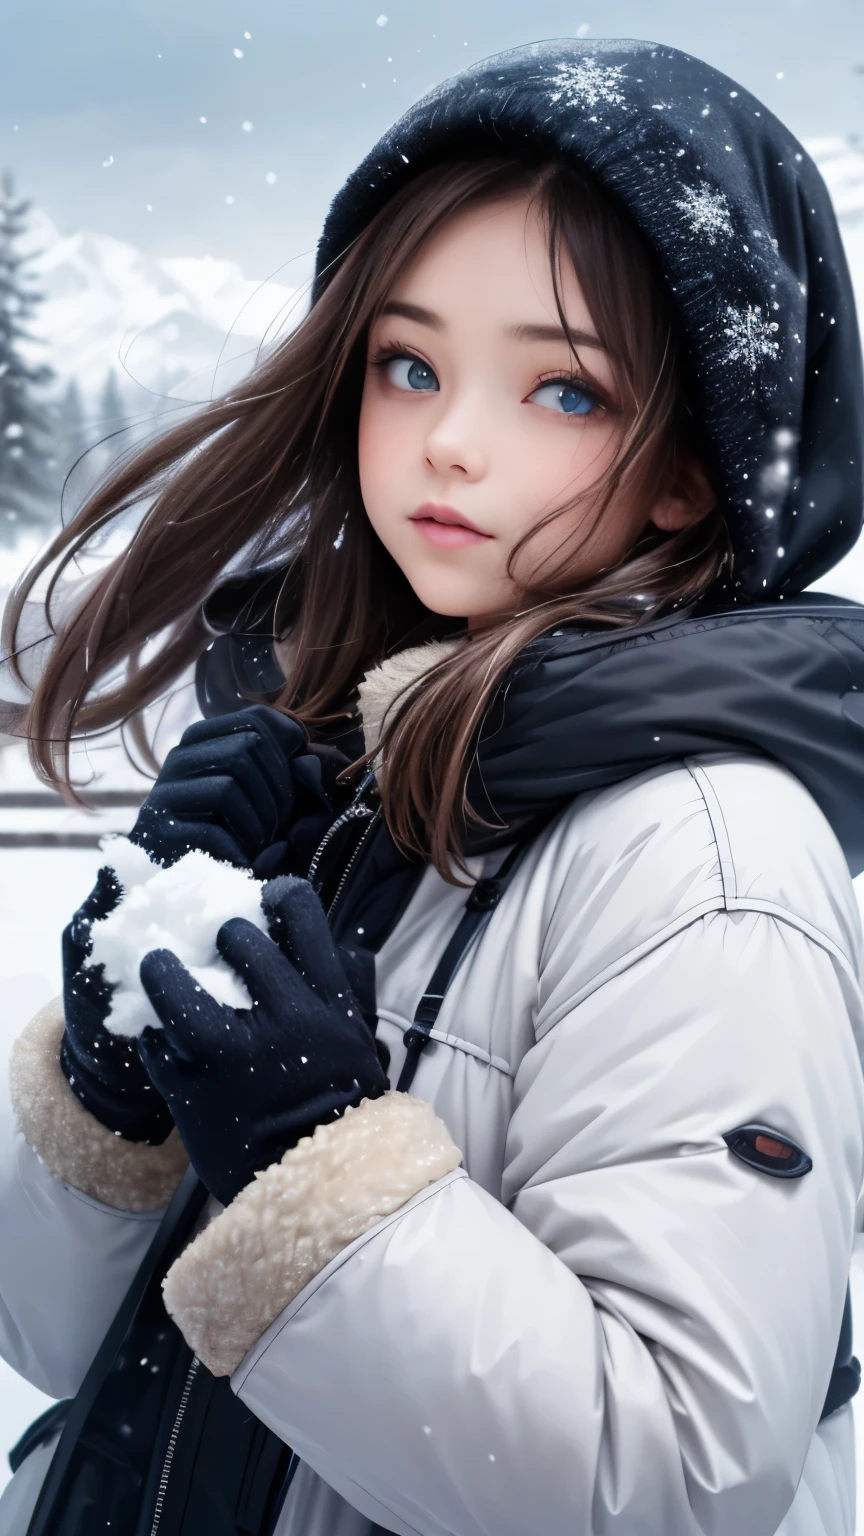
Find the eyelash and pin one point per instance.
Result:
(591, 392)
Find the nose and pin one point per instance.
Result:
(456, 441)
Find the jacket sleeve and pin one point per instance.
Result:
(639, 1336)
(78, 1210)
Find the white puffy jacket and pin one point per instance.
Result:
(591, 1317)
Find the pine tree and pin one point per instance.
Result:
(74, 434)
(110, 433)
(28, 468)
(112, 407)
(71, 427)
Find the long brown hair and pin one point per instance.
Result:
(271, 467)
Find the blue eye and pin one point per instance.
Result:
(565, 397)
(414, 375)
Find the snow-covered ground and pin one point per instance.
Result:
(168, 319)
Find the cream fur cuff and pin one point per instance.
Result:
(128, 1175)
(237, 1275)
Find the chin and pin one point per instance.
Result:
(449, 599)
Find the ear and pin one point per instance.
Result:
(686, 499)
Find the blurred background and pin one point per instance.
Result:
(164, 173)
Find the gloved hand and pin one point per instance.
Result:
(104, 1070)
(245, 1084)
(244, 788)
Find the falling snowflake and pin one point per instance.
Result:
(751, 339)
(588, 83)
(706, 210)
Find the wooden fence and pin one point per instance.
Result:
(46, 800)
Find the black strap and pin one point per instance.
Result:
(39, 1432)
(484, 898)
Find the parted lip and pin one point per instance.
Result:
(441, 514)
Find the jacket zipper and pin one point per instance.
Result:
(172, 1443)
(354, 811)
(374, 815)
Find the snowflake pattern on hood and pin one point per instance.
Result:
(743, 230)
(589, 84)
(751, 338)
(707, 212)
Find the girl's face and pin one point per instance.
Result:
(477, 420)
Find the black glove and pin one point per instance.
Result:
(244, 788)
(245, 1084)
(104, 1070)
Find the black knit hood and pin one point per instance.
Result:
(745, 236)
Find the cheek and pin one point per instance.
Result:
(380, 471)
(564, 467)
(572, 455)
(369, 444)
(545, 468)
(380, 448)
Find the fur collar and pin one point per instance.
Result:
(387, 683)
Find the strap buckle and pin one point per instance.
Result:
(484, 895)
(427, 1011)
(416, 1037)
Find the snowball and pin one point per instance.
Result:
(181, 909)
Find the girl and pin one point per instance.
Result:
(520, 515)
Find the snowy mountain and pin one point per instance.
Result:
(157, 322)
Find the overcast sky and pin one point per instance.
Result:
(101, 104)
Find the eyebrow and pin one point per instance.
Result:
(525, 332)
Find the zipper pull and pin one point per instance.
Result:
(366, 783)
(356, 809)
